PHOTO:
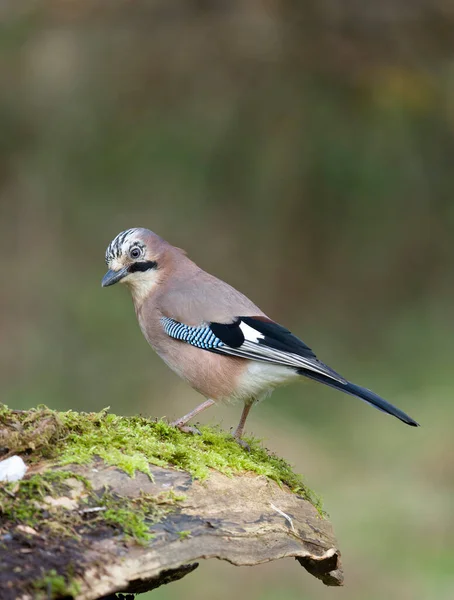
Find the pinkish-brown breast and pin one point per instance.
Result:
(213, 375)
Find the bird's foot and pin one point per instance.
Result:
(181, 423)
(242, 443)
(186, 428)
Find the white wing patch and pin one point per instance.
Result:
(251, 334)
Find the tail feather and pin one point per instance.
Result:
(363, 394)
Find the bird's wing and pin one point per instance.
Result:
(193, 297)
(254, 338)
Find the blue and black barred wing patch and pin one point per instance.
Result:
(201, 337)
(254, 338)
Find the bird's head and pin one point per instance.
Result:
(134, 257)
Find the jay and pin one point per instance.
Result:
(210, 334)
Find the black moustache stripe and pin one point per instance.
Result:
(145, 265)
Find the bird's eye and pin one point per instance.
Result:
(135, 253)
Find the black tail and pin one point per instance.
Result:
(363, 393)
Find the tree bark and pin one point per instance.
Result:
(85, 552)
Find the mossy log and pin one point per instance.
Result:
(124, 504)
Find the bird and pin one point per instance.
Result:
(212, 335)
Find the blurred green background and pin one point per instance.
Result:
(302, 151)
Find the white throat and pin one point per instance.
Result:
(141, 284)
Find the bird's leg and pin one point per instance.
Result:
(181, 423)
(237, 434)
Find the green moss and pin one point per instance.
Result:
(22, 502)
(129, 443)
(53, 585)
(129, 521)
(132, 443)
(36, 430)
(134, 517)
(184, 534)
(25, 503)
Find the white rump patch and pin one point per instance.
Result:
(260, 379)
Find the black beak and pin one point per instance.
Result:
(112, 277)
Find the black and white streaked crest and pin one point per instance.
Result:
(116, 246)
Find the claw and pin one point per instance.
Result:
(187, 429)
(242, 443)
